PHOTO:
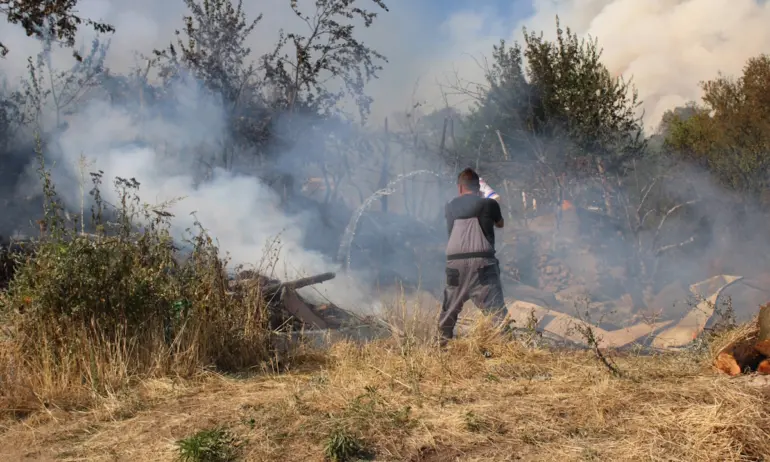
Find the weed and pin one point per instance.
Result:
(475, 423)
(342, 446)
(585, 329)
(213, 445)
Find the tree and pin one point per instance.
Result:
(729, 133)
(11, 115)
(329, 54)
(48, 18)
(212, 48)
(577, 98)
(310, 74)
(65, 88)
(562, 110)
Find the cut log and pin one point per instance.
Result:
(726, 363)
(301, 310)
(745, 355)
(764, 367)
(763, 348)
(285, 305)
(763, 338)
(749, 351)
(742, 353)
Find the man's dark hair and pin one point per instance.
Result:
(469, 179)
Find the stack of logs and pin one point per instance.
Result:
(750, 353)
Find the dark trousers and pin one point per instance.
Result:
(475, 279)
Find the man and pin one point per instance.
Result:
(472, 271)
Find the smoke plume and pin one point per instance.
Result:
(236, 208)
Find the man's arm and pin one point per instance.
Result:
(449, 220)
(497, 215)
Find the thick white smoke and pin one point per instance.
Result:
(667, 46)
(237, 209)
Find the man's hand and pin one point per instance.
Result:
(486, 191)
(500, 223)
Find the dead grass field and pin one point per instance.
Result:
(483, 399)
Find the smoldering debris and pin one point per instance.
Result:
(292, 316)
(285, 306)
(545, 285)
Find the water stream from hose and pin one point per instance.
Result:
(343, 255)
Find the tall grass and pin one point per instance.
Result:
(92, 311)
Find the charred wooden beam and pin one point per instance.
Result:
(299, 283)
(302, 310)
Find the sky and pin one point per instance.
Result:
(666, 46)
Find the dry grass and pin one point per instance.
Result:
(483, 399)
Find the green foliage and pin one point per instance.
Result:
(212, 46)
(578, 97)
(308, 73)
(329, 51)
(65, 88)
(119, 278)
(57, 19)
(729, 133)
(342, 446)
(214, 445)
(563, 108)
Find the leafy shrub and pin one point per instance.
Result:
(122, 301)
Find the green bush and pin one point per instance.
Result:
(121, 302)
